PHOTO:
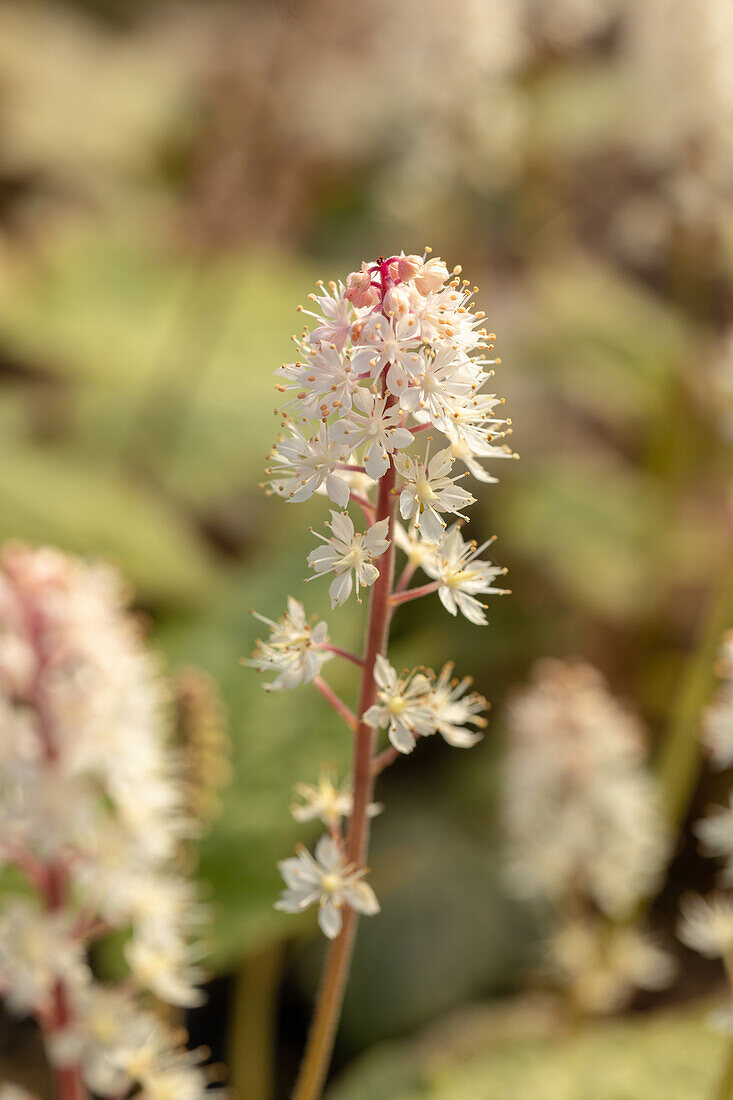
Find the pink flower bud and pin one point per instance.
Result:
(359, 289)
(408, 267)
(397, 301)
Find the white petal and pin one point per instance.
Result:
(338, 490)
(401, 437)
(367, 574)
(430, 526)
(376, 534)
(342, 526)
(440, 464)
(384, 674)
(446, 597)
(340, 588)
(402, 739)
(373, 716)
(408, 504)
(396, 379)
(460, 738)
(377, 461)
(471, 608)
(329, 919)
(361, 897)
(328, 853)
(364, 400)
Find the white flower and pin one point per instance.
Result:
(375, 425)
(326, 801)
(602, 964)
(293, 649)
(349, 555)
(431, 276)
(394, 342)
(326, 880)
(403, 706)
(438, 382)
(581, 811)
(335, 318)
(706, 925)
(326, 381)
(463, 576)
(177, 1082)
(428, 491)
(304, 463)
(417, 549)
(107, 1018)
(165, 966)
(452, 710)
(37, 949)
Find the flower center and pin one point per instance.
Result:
(424, 491)
(331, 883)
(461, 576)
(397, 705)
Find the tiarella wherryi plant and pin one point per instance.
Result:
(396, 351)
(93, 813)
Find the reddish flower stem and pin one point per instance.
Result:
(414, 593)
(319, 1046)
(345, 653)
(336, 702)
(67, 1080)
(317, 1057)
(383, 760)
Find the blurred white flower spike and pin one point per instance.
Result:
(394, 350)
(586, 833)
(93, 812)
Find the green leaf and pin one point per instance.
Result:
(49, 496)
(591, 527)
(672, 1056)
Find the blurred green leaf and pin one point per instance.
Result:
(48, 496)
(664, 1057)
(592, 528)
(603, 340)
(170, 361)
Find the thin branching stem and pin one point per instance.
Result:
(345, 653)
(414, 593)
(336, 702)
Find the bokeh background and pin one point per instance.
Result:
(173, 179)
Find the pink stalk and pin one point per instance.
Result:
(414, 593)
(336, 702)
(319, 1046)
(383, 760)
(67, 1080)
(345, 653)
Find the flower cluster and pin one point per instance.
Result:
(92, 810)
(395, 350)
(584, 824)
(706, 924)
